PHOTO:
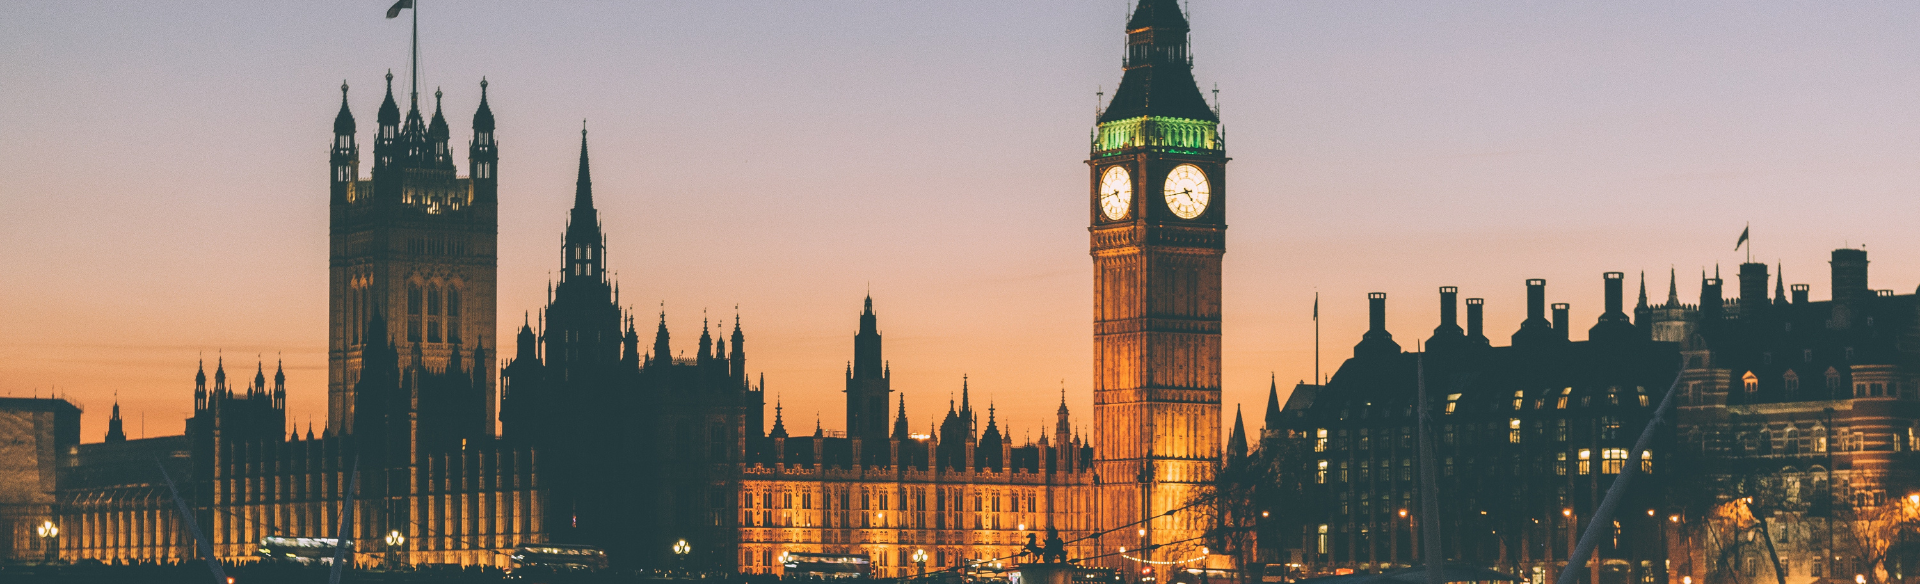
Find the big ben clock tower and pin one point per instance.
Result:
(1157, 205)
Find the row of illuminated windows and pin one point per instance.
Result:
(1324, 439)
(1612, 461)
(879, 499)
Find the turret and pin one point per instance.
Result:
(200, 387)
(1712, 308)
(703, 356)
(737, 362)
(1849, 275)
(1753, 292)
(438, 136)
(279, 384)
(662, 350)
(114, 431)
(584, 246)
(483, 153)
(386, 148)
(345, 159)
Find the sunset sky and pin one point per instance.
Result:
(165, 173)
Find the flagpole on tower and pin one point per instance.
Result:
(415, 89)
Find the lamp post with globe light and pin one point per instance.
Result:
(49, 534)
(920, 561)
(680, 551)
(395, 540)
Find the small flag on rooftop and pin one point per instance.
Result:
(394, 12)
(1736, 245)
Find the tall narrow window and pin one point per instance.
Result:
(413, 299)
(1586, 461)
(453, 301)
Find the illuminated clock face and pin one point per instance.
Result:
(1116, 193)
(1188, 191)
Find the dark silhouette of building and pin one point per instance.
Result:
(415, 246)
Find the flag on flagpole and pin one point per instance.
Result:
(1736, 245)
(394, 12)
(1316, 306)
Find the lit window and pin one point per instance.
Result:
(1750, 382)
(1513, 431)
(1586, 461)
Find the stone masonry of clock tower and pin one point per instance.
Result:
(1156, 296)
(416, 246)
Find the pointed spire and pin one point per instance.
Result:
(437, 129)
(483, 117)
(259, 376)
(1159, 71)
(1273, 402)
(389, 112)
(1237, 442)
(343, 122)
(1780, 285)
(1643, 290)
(583, 185)
(1673, 288)
(900, 420)
(220, 373)
(200, 377)
(115, 432)
(309, 430)
(779, 426)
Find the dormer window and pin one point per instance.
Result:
(1750, 382)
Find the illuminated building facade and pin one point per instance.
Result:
(957, 493)
(1157, 207)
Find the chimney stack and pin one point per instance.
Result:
(1536, 299)
(1849, 274)
(1614, 324)
(1448, 332)
(1560, 319)
(1377, 342)
(1376, 312)
(1475, 320)
(1535, 330)
(1800, 293)
(1711, 305)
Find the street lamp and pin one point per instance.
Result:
(394, 541)
(48, 531)
(680, 551)
(920, 561)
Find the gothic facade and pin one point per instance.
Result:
(1157, 213)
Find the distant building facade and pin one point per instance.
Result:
(1799, 412)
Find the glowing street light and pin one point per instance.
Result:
(394, 540)
(680, 551)
(920, 560)
(48, 531)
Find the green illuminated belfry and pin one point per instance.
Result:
(1158, 104)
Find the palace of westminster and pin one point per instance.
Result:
(1805, 414)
